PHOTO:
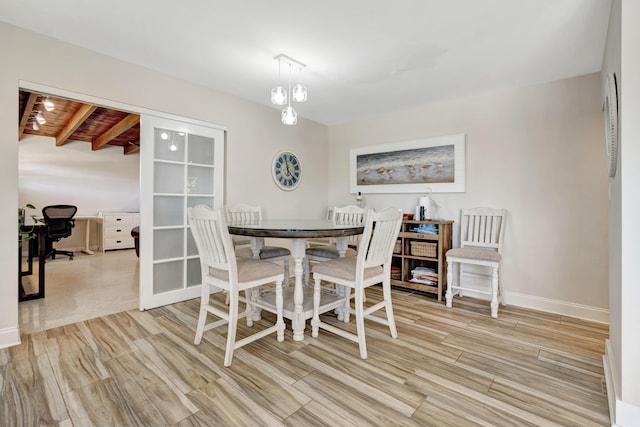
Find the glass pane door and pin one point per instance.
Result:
(181, 166)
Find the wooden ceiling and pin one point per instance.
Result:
(76, 121)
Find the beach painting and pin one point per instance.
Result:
(410, 166)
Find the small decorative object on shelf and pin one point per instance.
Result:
(418, 257)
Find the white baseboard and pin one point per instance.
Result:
(564, 308)
(9, 337)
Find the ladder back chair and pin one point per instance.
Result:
(243, 214)
(349, 215)
(371, 266)
(221, 270)
(481, 237)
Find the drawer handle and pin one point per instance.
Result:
(118, 241)
(118, 219)
(118, 230)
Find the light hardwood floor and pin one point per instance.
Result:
(452, 367)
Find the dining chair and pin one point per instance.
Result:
(371, 266)
(243, 214)
(481, 237)
(222, 270)
(347, 215)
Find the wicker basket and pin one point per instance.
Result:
(426, 249)
(398, 247)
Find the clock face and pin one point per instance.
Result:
(286, 170)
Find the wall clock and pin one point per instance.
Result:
(611, 123)
(286, 170)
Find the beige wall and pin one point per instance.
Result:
(538, 152)
(254, 135)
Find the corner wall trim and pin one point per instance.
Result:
(621, 414)
(9, 337)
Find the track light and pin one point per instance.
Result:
(41, 120)
(48, 104)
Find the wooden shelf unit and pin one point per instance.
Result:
(405, 258)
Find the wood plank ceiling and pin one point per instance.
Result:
(76, 121)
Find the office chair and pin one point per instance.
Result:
(59, 220)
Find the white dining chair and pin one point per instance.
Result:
(481, 236)
(222, 270)
(371, 266)
(347, 215)
(244, 214)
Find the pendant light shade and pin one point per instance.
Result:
(299, 93)
(289, 116)
(278, 95)
(35, 126)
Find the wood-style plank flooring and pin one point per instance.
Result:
(448, 367)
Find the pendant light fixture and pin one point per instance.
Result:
(280, 96)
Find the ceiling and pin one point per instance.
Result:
(76, 121)
(363, 57)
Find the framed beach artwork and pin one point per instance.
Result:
(437, 163)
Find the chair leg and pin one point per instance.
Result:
(494, 293)
(250, 295)
(362, 343)
(386, 292)
(233, 325)
(202, 318)
(279, 307)
(315, 320)
(345, 292)
(503, 298)
(449, 294)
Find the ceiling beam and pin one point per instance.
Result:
(133, 147)
(124, 125)
(28, 108)
(81, 115)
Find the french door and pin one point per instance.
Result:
(181, 165)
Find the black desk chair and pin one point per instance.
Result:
(59, 220)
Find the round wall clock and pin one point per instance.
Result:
(286, 170)
(611, 123)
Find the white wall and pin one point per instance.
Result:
(538, 152)
(254, 135)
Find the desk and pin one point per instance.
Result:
(298, 231)
(87, 233)
(39, 231)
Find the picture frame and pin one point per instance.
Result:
(436, 163)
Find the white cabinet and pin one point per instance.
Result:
(116, 229)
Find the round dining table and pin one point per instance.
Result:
(298, 231)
